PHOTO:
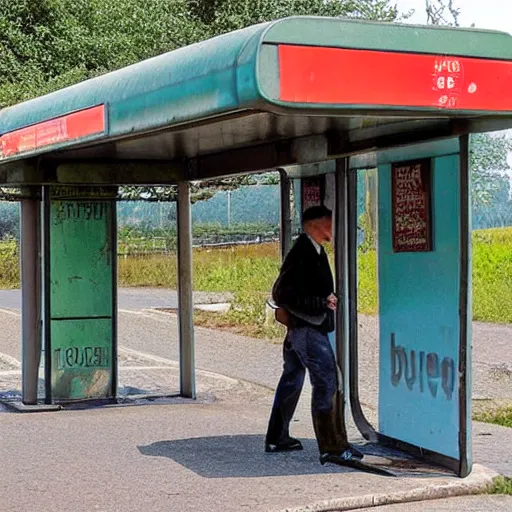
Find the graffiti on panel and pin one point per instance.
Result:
(82, 357)
(411, 206)
(449, 82)
(80, 210)
(423, 371)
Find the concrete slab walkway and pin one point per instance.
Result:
(177, 455)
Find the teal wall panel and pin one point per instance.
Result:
(81, 359)
(81, 259)
(81, 293)
(419, 296)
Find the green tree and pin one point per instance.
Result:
(498, 211)
(219, 16)
(489, 163)
(9, 220)
(49, 44)
(442, 12)
(46, 45)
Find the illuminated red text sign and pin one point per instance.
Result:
(47, 133)
(363, 77)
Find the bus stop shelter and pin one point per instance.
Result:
(319, 99)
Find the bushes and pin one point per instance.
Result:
(9, 264)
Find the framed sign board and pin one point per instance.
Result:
(411, 213)
(313, 190)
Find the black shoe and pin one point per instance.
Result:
(336, 458)
(356, 453)
(289, 445)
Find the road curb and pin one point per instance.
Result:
(479, 479)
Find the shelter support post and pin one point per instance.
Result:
(30, 299)
(285, 233)
(185, 296)
(341, 266)
(363, 424)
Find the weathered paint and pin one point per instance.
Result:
(420, 322)
(82, 359)
(392, 37)
(81, 278)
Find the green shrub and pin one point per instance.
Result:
(501, 485)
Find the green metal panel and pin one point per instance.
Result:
(82, 359)
(80, 315)
(81, 259)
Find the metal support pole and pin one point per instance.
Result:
(465, 426)
(285, 214)
(30, 299)
(185, 298)
(341, 265)
(361, 422)
(46, 295)
(115, 330)
(229, 207)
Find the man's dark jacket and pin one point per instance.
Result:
(304, 283)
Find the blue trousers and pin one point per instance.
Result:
(308, 348)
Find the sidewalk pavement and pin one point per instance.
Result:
(179, 455)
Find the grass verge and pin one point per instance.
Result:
(499, 416)
(249, 271)
(501, 485)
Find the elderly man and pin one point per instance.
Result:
(304, 292)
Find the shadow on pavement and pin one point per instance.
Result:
(239, 456)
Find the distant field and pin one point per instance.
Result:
(492, 275)
(249, 272)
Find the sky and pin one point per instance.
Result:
(486, 14)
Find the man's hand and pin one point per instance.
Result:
(332, 302)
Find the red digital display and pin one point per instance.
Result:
(69, 127)
(363, 77)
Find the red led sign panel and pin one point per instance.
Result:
(69, 127)
(363, 77)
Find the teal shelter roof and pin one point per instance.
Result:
(290, 78)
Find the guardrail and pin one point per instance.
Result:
(147, 246)
(160, 245)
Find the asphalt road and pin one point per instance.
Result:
(259, 361)
(129, 298)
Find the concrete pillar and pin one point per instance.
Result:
(30, 299)
(185, 297)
